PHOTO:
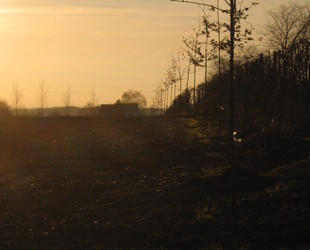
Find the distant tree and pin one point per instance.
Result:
(172, 79)
(4, 108)
(169, 82)
(67, 100)
(132, 96)
(166, 84)
(92, 102)
(42, 97)
(180, 71)
(174, 67)
(17, 95)
(158, 97)
(90, 110)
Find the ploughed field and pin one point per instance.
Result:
(147, 182)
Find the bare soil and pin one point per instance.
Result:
(148, 182)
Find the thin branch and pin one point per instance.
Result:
(201, 4)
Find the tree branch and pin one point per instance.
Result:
(201, 4)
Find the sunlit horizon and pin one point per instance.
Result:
(110, 47)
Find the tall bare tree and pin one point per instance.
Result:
(195, 56)
(180, 71)
(93, 97)
(208, 54)
(169, 82)
(93, 101)
(234, 28)
(42, 97)
(219, 65)
(67, 100)
(287, 25)
(17, 95)
(287, 34)
(165, 83)
(158, 97)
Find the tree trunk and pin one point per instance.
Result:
(206, 75)
(195, 105)
(231, 118)
(219, 67)
(188, 72)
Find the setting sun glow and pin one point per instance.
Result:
(106, 45)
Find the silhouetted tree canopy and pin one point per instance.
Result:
(4, 108)
(287, 26)
(132, 96)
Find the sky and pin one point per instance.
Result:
(106, 45)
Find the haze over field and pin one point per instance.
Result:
(111, 46)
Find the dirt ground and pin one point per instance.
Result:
(148, 182)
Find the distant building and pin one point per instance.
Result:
(120, 109)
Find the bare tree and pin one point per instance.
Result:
(180, 71)
(158, 97)
(169, 82)
(234, 28)
(208, 54)
(166, 92)
(42, 97)
(188, 73)
(172, 76)
(93, 97)
(17, 95)
(195, 56)
(219, 65)
(93, 101)
(287, 25)
(67, 100)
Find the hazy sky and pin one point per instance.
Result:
(109, 45)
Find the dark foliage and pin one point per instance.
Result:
(182, 104)
(4, 108)
(271, 88)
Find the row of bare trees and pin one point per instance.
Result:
(273, 85)
(42, 98)
(236, 14)
(198, 49)
(17, 96)
(276, 83)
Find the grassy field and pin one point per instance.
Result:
(147, 182)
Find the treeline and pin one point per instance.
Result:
(271, 88)
(90, 109)
(6, 110)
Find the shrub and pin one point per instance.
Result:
(4, 108)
